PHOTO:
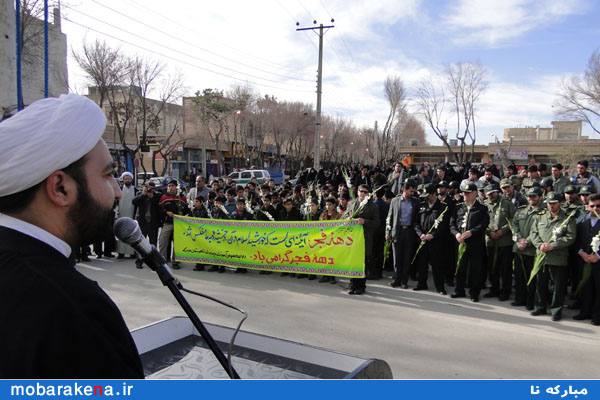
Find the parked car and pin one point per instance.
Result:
(162, 182)
(244, 176)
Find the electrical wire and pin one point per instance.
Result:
(188, 43)
(176, 51)
(232, 341)
(185, 62)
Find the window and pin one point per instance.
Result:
(258, 174)
(246, 175)
(234, 175)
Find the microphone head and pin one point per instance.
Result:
(127, 230)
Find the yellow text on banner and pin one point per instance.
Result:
(320, 247)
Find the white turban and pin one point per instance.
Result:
(47, 136)
(126, 173)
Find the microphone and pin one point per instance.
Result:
(128, 231)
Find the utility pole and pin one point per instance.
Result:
(317, 157)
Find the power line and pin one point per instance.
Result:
(178, 52)
(186, 42)
(185, 62)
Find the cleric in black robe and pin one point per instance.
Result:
(56, 193)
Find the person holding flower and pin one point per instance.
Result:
(588, 242)
(368, 216)
(551, 235)
(468, 225)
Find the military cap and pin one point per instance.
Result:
(586, 189)
(454, 185)
(554, 197)
(443, 183)
(428, 189)
(547, 182)
(419, 187)
(570, 189)
(505, 182)
(491, 188)
(468, 187)
(534, 191)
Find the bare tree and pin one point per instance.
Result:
(467, 82)
(580, 95)
(432, 106)
(240, 129)
(395, 94)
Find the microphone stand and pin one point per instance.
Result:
(167, 279)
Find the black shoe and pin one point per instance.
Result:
(323, 279)
(395, 284)
(556, 317)
(503, 297)
(580, 317)
(457, 295)
(139, 265)
(176, 266)
(312, 277)
(238, 271)
(443, 292)
(285, 273)
(529, 308)
(332, 280)
(403, 286)
(199, 268)
(359, 291)
(301, 276)
(595, 322)
(98, 256)
(416, 289)
(109, 255)
(490, 294)
(475, 299)
(351, 291)
(214, 268)
(517, 304)
(120, 256)
(535, 313)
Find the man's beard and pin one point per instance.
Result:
(89, 221)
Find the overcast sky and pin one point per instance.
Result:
(527, 46)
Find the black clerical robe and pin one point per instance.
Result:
(55, 322)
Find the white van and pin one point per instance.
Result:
(244, 176)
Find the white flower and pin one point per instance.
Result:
(222, 208)
(596, 244)
(515, 238)
(436, 224)
(268, 215)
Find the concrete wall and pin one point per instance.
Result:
(33, 58)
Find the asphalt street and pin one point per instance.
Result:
(421, 334)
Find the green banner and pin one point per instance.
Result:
(321, 247)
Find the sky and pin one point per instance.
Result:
(528, 48)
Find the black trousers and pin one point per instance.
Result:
(431, 254)
(404, 249)
(524, 294)
(360, 283)
(471, 267)
(500, 270)
(376, 268)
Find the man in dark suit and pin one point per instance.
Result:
(588, 229)
(400, 226)
(149, 215)
(56, 323)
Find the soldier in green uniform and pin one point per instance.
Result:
(498, 240)
(552, 234)
(584, 193)
(523, 250)
(546, 185)
(572, 203)
(560, 181)
(512, 195)
(532, 176)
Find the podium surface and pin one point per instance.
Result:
(173, 349)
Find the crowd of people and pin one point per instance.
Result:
(528, 234)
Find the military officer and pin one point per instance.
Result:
(552, 234)
(468, 225)
(524, 252)
(499, 243)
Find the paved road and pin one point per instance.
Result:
(420, 334)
